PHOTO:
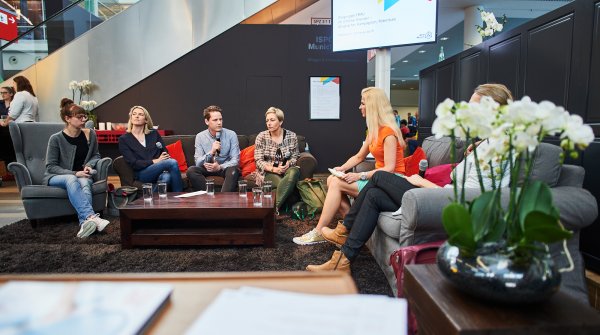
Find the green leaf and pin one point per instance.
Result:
(457, 222)
(536, 197)
(544, 228)
(484, 214)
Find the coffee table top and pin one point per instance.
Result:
(218, 200)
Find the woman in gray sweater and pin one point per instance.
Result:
(70, 160)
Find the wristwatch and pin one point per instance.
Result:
(363, 176)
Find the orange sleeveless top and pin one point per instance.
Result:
(376, 150)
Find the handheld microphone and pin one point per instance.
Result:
(423, 164)
(218, 139)
(159, 146)
(93, 172)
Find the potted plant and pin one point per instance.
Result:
(491, 25)
(494, 251)
(85, 88)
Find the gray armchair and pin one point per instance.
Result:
(420, 220)
(30, 141)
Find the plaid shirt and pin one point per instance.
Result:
(265, 149)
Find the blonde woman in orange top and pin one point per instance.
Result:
(385, 144)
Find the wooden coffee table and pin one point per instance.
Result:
(221, 219)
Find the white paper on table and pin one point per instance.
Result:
(191, 194)
(253, 311)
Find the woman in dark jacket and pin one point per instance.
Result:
(70, 161)
(144, 150)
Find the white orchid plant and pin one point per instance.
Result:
(514, 132)
(491, 25)
(84, 88)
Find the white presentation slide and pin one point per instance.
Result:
(367, 24)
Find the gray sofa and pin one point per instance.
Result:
(420, 219)
(30, 140)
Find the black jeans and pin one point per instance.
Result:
(383, 193)
(197, 176)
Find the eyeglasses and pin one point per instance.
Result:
(81, 117)
(3, 92)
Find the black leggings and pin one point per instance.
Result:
(383, 193)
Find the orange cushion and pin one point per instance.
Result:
(411, 162)
(176, 152)
(247, 164)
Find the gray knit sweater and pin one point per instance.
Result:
(61, 155)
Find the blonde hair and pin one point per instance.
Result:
(379, 113)
(278, 113)
(500, 93)
(149, 123)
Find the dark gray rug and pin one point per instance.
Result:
(53, 248)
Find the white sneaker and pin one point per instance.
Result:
(100, 223)
(312, 237)
(87, 228)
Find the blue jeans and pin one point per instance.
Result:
(79, 191)
(153, 174)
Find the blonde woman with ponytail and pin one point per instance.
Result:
(384, 141)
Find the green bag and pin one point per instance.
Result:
(313, 194)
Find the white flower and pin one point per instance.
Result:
(73, 85)
(88, 105)
(580, 134)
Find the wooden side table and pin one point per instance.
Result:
(442, 309)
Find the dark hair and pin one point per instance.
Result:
(210, 109)
(404, 122)
(10, 90)
(69, 108)
(23, 84)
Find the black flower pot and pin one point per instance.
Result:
(492, 274)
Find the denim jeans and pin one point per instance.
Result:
(153, 174)
(79, 191)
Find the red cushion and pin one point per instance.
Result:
(176, 152)
(247, 164)
(411, 163)
(439, 175)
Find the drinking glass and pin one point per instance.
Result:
(267, 188)
(147, 188)
(210, 186)
(243, 188)
(162, 189)
(257, 196)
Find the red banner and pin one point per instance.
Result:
(8, 25)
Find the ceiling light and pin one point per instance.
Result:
(403, 80)
(412, 88)
(394, 84)
(405, 61)
(422, 51)
(392, 69)
(444, 39)
(415, 75)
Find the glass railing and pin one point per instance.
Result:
(49, 28)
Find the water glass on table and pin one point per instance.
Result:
(147, 191)
(243, 188)
(162, 189)
(210, 186)
(257, 196)
(267, 188)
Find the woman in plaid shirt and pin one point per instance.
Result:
(276, 153)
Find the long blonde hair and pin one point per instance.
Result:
(149, 124)
(379, 113)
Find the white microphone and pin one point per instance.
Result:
(159, 146)
(423, 164)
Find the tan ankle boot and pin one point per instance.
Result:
(338, 262)
(336, 236)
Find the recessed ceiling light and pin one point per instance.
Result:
(372, 79)
(405, 61)
(392, 69)
(403, 80)
(412, 88)
(415, 75)
(394, 84)
(422, 51)
(444, 39)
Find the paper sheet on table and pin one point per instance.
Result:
(254, 311)
(191, 194)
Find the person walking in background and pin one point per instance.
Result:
(275, 154)
(217, 153)
(412, 120)
(70, 162)
(384, 193)
(144, 150)
(384, 141)
(24, 106)
(397, 117)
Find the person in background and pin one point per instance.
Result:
(7, 94)
(404, 128)
(217, 153)
(144, 150)
(412, 120)
(384, 193)
(24, 107)
(397, 117)
(384, 141)
(70, 162)
(275, 154)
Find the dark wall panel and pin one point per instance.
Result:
(504, 60)
(593, 109)
(444, 82)
(548, 61)
(470, 74)
(427, 102)
(246, 70)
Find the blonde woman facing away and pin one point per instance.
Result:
(384, 141)
(276, 153)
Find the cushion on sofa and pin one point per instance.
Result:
(187, 143)
(247, 163)
(438, 150)
(176, 152)
(411, 163)
(546, 165)
(439, 175)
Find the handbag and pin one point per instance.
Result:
(313, 194)
(413, 254)
(120, 198)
